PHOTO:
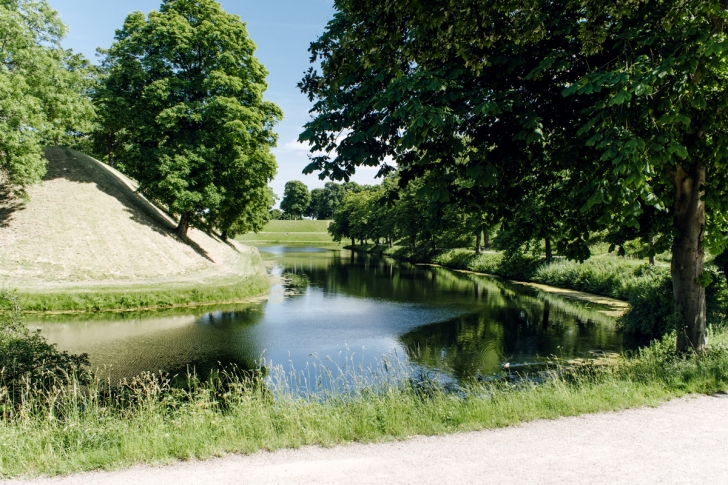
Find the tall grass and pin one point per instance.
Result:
(61, 429)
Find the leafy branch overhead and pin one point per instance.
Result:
(595, 114)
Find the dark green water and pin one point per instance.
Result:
(351, 308)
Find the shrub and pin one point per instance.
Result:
(27, 359)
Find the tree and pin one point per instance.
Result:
(341, 226)
(316, 205)
(296, 199)
(622, 104)
(197, 132)
(43, 89)
(325, 202)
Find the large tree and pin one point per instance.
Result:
(621, 105)
(296, 199)
(43, 89)
(196, 131)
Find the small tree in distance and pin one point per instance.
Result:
(296, 199)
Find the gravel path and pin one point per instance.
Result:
(684, 441)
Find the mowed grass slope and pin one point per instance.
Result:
(86, 240)
(291, 232)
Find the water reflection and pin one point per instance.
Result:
(355, 305)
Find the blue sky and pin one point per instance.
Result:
(282, 30)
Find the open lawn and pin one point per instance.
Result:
(291, 232)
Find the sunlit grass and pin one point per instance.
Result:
(291, 232)
(73, 428)
(145, 297)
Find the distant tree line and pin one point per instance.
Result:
(320, 204)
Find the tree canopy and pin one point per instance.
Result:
(296, 199)
(596, 112)
(43, 89)
(183, 113)
(326, 201)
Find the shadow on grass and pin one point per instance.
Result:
(64, 163)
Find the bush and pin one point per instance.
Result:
(27, 359)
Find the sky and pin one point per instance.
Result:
(282, 30)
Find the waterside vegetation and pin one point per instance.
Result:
(65, 422)
(144, 297)
(646, 287)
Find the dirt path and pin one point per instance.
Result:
(682, 442)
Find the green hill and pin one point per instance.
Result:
(291, 232)
(85, 239)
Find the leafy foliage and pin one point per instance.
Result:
(183, 94)
(296, 199)
(43, 89)
(27, 359)
(580, 115)
(325, 202)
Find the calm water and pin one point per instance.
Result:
(352, 305)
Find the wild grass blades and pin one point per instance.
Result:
(325, 379)
(81, 426)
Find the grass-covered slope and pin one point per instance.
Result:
(85, 240)
(291, 232)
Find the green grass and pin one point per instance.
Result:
(291, 232)
(283, 238)
(66, 430)
(144, 297)
(603, 275)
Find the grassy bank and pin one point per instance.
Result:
(648, 289)
(144, 297)
(290, 232)
(64, 430)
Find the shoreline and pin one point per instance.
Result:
(138, 298)
(616, 307)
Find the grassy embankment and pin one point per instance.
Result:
(290, 232)
(648, 289)
(86, 240)
(142, 297)
(67, 429)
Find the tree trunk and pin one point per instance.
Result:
(486, 239)
(391, 240)
(353, 242)
(651, 248)
(687, 259)
(110, 149)
(549, 253)
(224, 235)
(184, 225)
(477, 243)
